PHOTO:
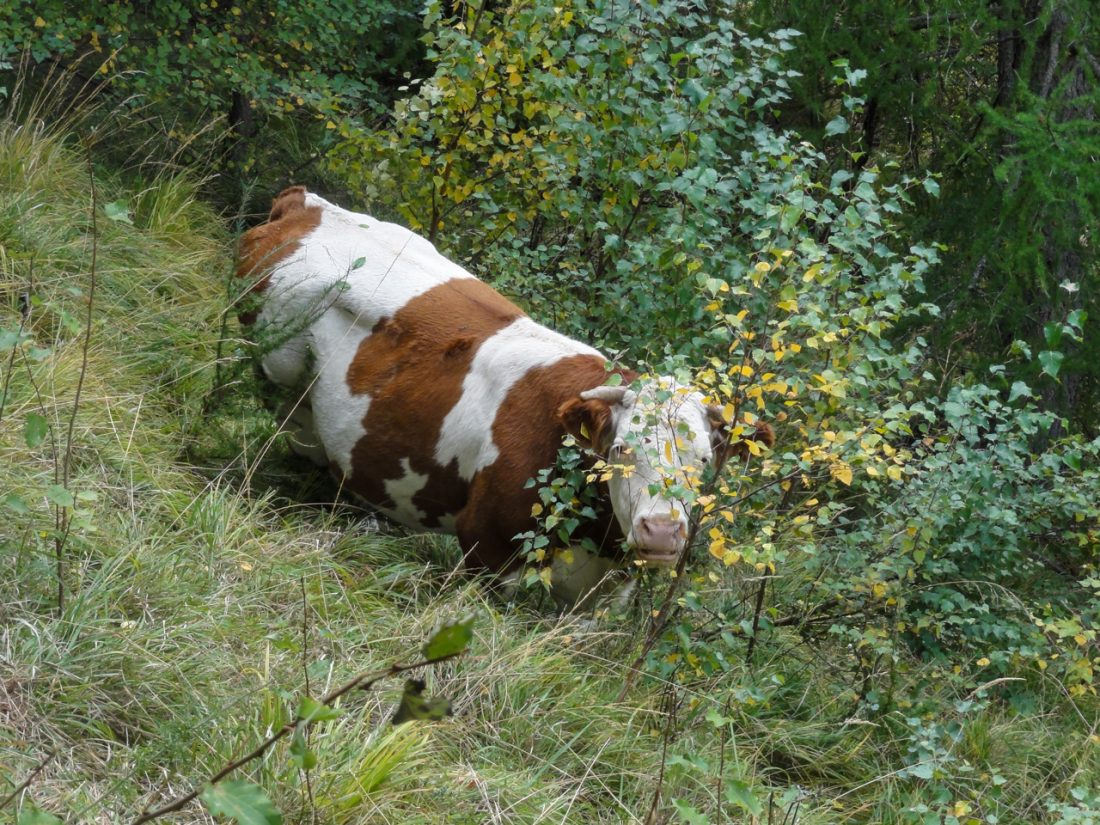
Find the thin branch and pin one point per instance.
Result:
(309, 691)
(41, 766)
(670, 708)
(62, 520)
(25, 314)
(364, 681)
(757, 608)
(87, 333)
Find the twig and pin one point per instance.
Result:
(756, 619)
(87, 333)
(722, 759)
(670, 708)
(41, 766)
(62, 519)
(364, 681)
(25, 314)
(309, 691)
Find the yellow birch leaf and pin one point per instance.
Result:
(842, 473)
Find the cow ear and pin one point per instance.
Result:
(762, 433)
(289, 200)
(588, 421)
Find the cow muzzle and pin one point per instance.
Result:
(659, 540)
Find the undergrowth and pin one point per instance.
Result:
(203, 594)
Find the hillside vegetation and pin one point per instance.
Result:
(889, 618)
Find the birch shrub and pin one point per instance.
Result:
(615, 168)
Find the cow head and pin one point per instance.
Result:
(654, 440)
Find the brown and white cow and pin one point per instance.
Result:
(435, 399)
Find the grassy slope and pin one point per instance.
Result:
(185, 635)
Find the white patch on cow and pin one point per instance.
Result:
(324, 298)
(401, 491)
(337, 413)
(500, 362)
(578, 579)
(378, 267)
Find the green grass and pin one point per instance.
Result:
(207, 576)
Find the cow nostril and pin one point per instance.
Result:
(662, 526)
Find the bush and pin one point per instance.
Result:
(617, 169)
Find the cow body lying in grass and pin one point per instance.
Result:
(435, 399)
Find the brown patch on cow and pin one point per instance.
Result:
(587, 420)
(264, 246)
(528, 431)
(412, 366)
(387, 326)
(459, 346)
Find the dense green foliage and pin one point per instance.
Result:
(1001, 100)
(285, 70)
(890, 617)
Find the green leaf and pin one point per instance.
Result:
(310, 710)
(922, 770)
(837, 126)
(35, 429)
(1020, 348)
(839, 178)
(34, 816)
(242, 801)
(931, 186)
(738, 793)
(301, 756)
(1051, 361)
(9, 338)
(118, 211)
(689, 814)
(415, 705)
(1053, 334)
(16, 504)
(60, 496)
(1019, 390)
(358, 262)
(449, 640)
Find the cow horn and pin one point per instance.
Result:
(611, 395)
